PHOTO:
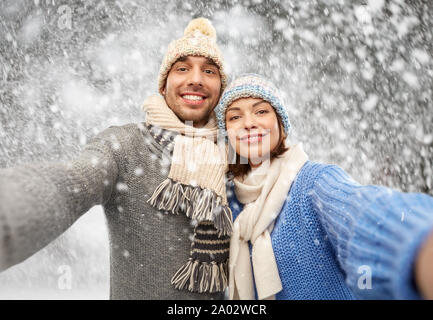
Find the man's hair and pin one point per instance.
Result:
(209, 61)
(239, 169)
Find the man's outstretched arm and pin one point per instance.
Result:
(40, 201)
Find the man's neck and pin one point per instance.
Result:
(195, 124)
(199, 125)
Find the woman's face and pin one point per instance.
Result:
(252, 127)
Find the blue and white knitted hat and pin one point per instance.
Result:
(251, 85)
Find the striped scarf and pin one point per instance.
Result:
(195, 186)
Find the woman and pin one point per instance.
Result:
(304, 230)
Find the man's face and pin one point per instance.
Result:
(192, 89)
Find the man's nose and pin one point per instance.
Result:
(195, 77)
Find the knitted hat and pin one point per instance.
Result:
(199, 40)
(251, 86)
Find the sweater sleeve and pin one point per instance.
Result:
(40, 201)
(376, 233)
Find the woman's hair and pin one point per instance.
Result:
(239, 169)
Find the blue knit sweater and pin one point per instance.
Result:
(337, 239)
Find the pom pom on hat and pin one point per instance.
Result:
(201, 24)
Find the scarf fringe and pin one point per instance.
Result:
(201, 277)
(197, 203)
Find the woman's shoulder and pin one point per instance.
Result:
(310, 171)
(314, 168)
(314, 174)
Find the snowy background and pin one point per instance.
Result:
(357, 77)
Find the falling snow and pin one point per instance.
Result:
(357, 78)
(122, 187)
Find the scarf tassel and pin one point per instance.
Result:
(195, 202)
(201, 277)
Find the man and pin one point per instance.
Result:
(130, 171)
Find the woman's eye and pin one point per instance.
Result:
(233, 118)
(262, 111)
(181, 69)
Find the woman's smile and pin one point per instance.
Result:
(252, 138)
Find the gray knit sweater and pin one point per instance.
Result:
(119, 169)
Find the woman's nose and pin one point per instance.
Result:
(249, 122)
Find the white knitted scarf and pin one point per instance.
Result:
(195, 186)
(263, 192)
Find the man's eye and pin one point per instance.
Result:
(210, 71)
(181, 69)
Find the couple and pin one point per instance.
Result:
(283, 227)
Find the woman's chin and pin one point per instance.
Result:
(253, 152)
(257, 160)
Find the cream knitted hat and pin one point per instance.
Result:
(199, 40)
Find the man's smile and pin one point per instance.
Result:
(193, 98)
